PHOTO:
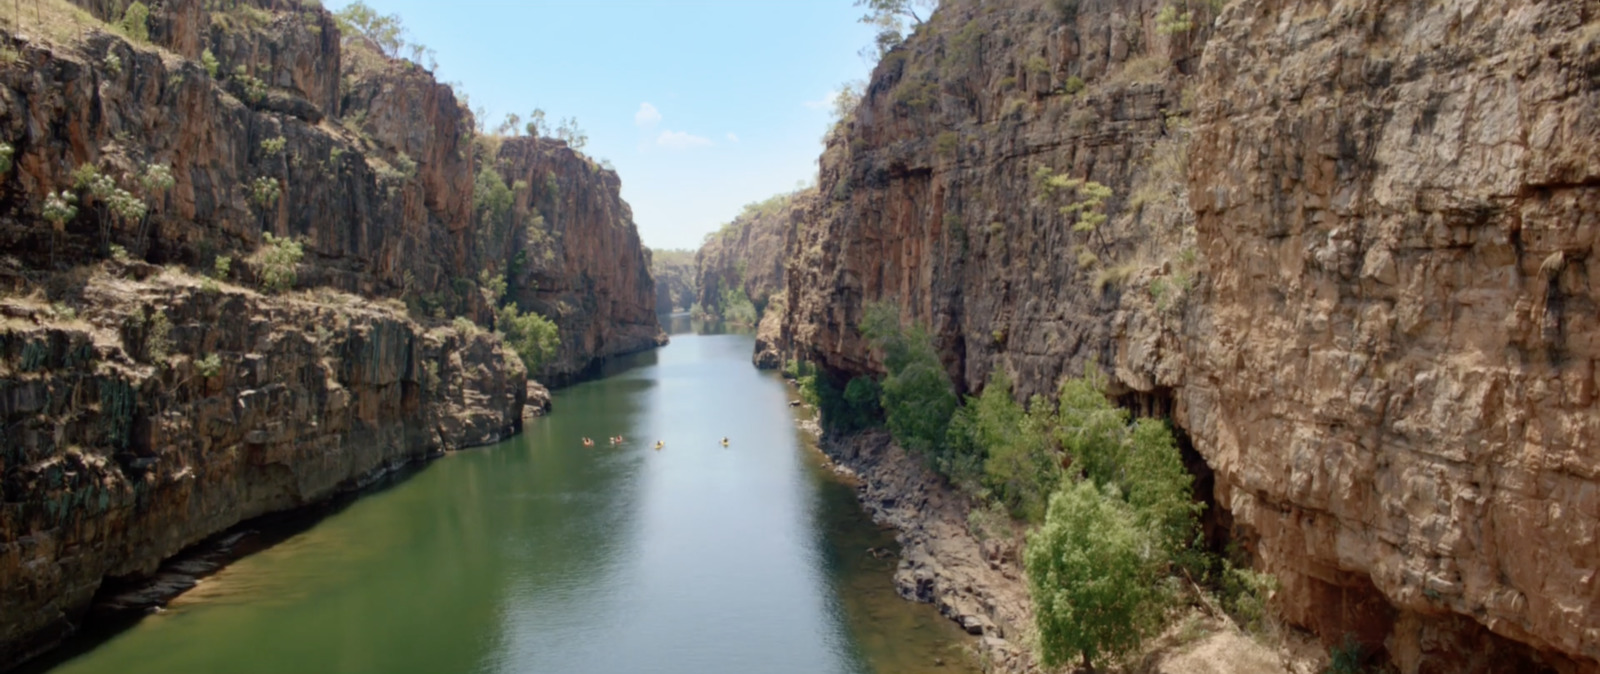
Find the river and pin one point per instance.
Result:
(541, 555)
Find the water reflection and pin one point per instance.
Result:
(541, 555)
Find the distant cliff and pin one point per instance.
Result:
(1345, 248)
(674, 272)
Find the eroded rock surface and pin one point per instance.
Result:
(1347, 251)
(127, 442)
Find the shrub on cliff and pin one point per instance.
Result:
(278, 259)
(918, 398)
(1009, 449)
(534, 337)
(736, 307)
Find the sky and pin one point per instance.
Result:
(702, 106)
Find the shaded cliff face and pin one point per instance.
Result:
(930, 197)
(1346, 249)
(126, 443)
(748, 253)
(674, 274)
(575, 256)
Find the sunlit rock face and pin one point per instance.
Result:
(120, 446)
(1347, 251)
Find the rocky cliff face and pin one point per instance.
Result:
(146, 409)
(158, 414)
(748, 253)
(1346, 249)
(674, 273)
(1396, 376)
(581, 263)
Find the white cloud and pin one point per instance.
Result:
(733, 137)
(647, 116)
(681, 140)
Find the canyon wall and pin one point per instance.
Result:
(582, 264)
(675, 279)
(748, 253)
(1346, 250)
(151, 395)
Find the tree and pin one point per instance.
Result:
(512, 126)
(918, 398)
(537, 126)
(888, 17)
(1092, 576)
(59, 208)
(568, 131)
(385, 30)
(534, 337)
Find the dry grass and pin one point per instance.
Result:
(56, 20)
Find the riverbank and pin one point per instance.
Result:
(981, 585)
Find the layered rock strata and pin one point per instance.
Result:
(1346, 251)
(162, 413)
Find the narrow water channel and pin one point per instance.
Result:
(541, 555)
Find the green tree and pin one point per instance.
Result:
(534, 337)
(136, 21)
(279, 259)
(537, 126)
(888, 17)
(1015, 447)
(568, 131)
(918, 398)
(385, 30)
(1093, 577)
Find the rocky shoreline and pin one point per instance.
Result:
(977, 584)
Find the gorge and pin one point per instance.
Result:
(1342, 249)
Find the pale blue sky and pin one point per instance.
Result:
(739, 90)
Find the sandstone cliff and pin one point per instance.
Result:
(748, 253)
(147, 408)
(1346, 250)
(581, 263)
(145, 415)
(675, 279)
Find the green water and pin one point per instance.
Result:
(540, 555)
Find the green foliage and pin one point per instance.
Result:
(1093, 577)
(1141, 459)
(888, 17)
(136, 22)
(279, 257)
(385, 30)
(112, 63)
(534, 337)
(736, 308)
(156, 179)
(852, 409)
(253, 88)
(209, 60)
(406, 165)
(263, 191)
(537, 126)
(918, 398)
(88, 178)
(272, 146)
(124, 206)
(1073, 85)
(158, 337)
(119, 253)
(6, 153)
(59, 209)
(568, 131)
(493, 286)
(1172, 20)
(1013, 447)
(210, 366)
(1038, 65)
(491, 198)
(464, 325)
(1245, 594)
(946, 143)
